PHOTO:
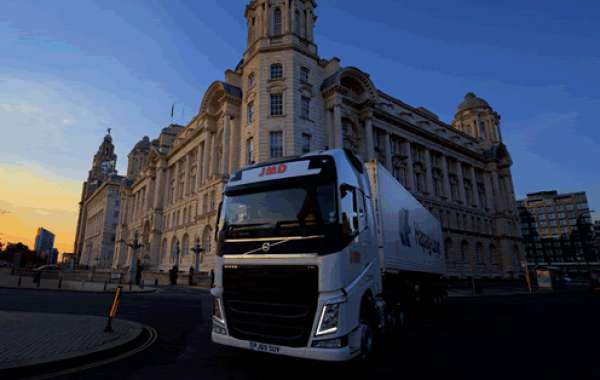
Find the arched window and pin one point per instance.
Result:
(350, 136)
(185, 246)
(298, 23)
(464, 251)
(419, 171)
(479, 253)
(164, 252)
(277, 22)
(492, 254)
(251, 80)
(206, 237)
(482, 130)
(447, 248)
(175, 250)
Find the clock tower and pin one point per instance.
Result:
(104, 166)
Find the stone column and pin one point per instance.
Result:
(338, 141)
(388, 151)
(159, 185)
(186, 175)
(226, 141)
(498, 201)
(474, 186)
(410, 175)
(213, 162)
(487, 183)
(234, 147)
(428, 173)
(370, 152)
(446, 179)
(200, 163)
(461, 183)
(206, 161)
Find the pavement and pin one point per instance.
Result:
(31, 340)
(26, 282)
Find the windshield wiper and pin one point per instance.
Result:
(243, 227)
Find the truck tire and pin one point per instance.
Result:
(367, 338)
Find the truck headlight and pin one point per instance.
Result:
(218, 310)
(328, 322)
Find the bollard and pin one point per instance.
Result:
(19, 281)
(112, 310)
(104, 286)
(155, 281)
(60, 278)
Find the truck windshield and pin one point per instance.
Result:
(279, 212)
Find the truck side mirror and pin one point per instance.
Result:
(345, 189)
(218, 221)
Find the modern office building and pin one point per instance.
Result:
(557, 229)
(44, 241)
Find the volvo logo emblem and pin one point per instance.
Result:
(266, 247)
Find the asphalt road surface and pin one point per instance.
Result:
(504, 337)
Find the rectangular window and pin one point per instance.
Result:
(250, 113)
(249, 151)
(304, 74)
(305, 143)
(276, 71)
(305, 109)
(276, 104)
(276, 144)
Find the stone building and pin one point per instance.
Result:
(102, 214)
(103, 168)
(282, 99)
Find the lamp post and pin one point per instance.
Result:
(135, 245)
(197, 249)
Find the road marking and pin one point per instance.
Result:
(151, 339)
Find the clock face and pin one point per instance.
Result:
(105, 166)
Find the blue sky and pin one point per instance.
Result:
(70, 71)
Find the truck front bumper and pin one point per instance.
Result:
(325, 354)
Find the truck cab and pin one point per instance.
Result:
(298, 269)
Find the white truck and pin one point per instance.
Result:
(318, 255)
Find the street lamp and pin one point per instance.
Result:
(135, 245)
(197, 249)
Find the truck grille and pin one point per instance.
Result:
(270, 304)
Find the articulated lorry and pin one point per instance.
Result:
(319, 255)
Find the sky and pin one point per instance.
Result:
(71, 69)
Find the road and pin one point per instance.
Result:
(506, 337)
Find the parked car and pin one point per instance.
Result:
(48, 268)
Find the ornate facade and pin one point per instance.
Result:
(103, 168)
(282, 99)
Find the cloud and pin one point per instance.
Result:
(32, 197)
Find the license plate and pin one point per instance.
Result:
(263, 347)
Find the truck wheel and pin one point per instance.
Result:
(367, 339)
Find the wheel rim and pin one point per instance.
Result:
(367, 340)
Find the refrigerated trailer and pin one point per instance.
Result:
(320, 254)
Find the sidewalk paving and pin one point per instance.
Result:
(8, 281)
(466, 292)
(29, 339)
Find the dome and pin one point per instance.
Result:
(144, 143)
(472, 101)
